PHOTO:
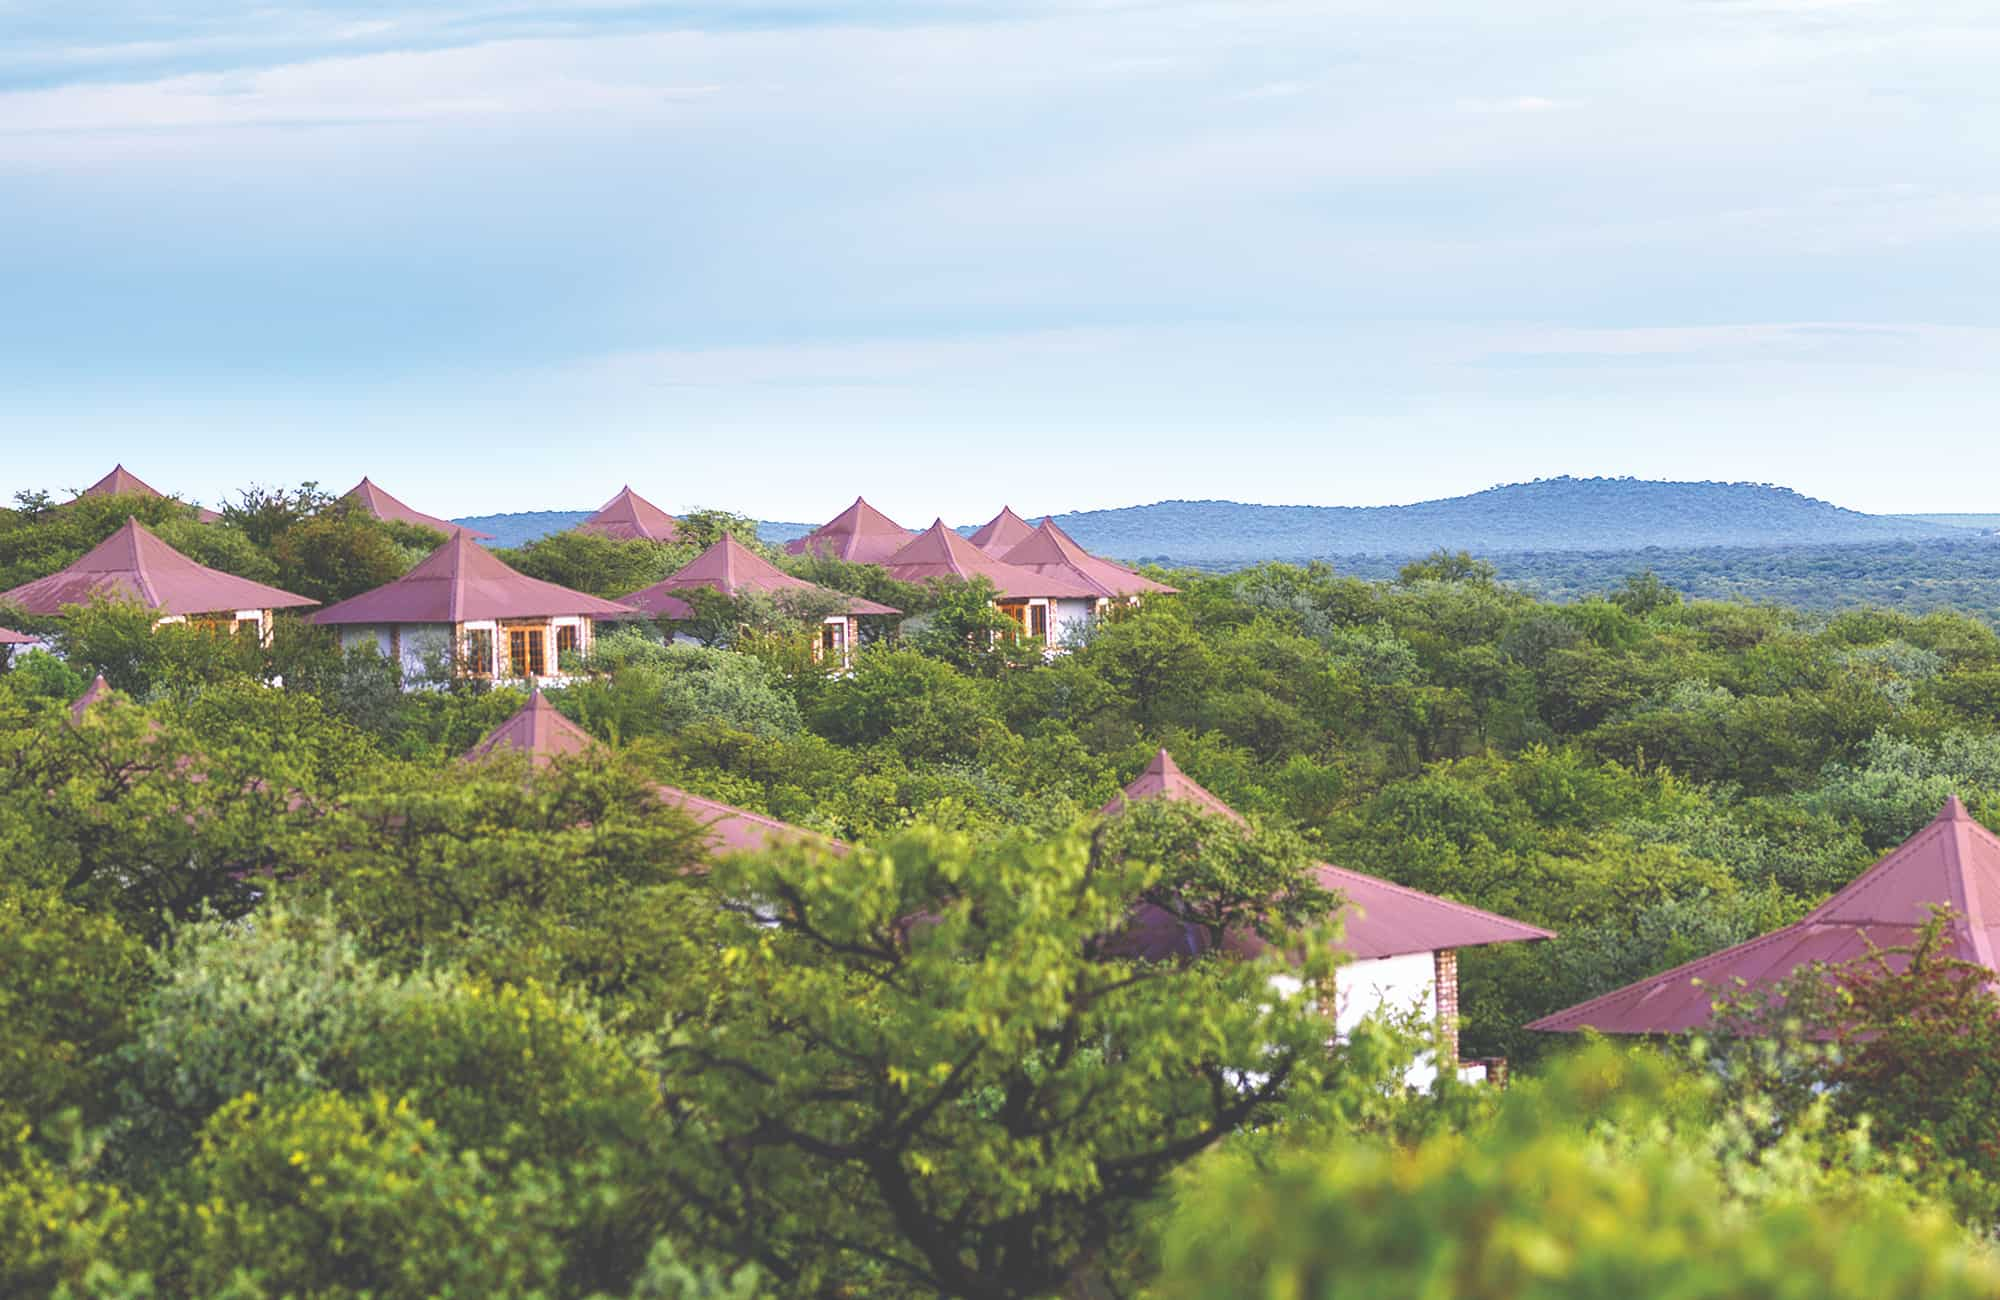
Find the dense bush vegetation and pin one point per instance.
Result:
(292, 1001)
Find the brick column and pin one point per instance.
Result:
(1446, 993)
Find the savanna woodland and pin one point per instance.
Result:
(294, 1001)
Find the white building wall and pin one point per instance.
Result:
(1390, 986)
(1069, 620)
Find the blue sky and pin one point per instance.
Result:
(951, 253)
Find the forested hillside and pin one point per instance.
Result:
(1558, 514)
(1536, 532)
(508, 1031)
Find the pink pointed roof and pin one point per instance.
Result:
(538, 730)
(731, 568)
(1001, 533)
(860, 534)
(628, 516)
(1952, 862)
(1163, 779)
(1048, 549)
(730, 829)
(97, 692)
(123, 482)
(133, 564)
(463, 581)
(544, 734)
(371, 498)
(10, 637)
(1381, 919)
(939, 552)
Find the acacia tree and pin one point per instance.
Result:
(920, 1074)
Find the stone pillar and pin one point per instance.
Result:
(1446, 992)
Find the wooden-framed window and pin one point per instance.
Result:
(1038, 621)
(254, 625)
(527, 652)
(479, 651)
(569, 641)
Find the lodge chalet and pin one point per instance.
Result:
(733, 569)
(1036, 601)
(134, 564)
(462, 601)
(1402, 943)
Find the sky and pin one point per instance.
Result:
(766, 255)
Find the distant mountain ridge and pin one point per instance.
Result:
(1545, 515)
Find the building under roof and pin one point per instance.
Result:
(1049, 550)
(123, 482)
(1380, 919)
(1002, 533)
(939, 552)
(373, 500)
(860, 534)
(544, 735)
(733, 569)
(463, 582)
(1952, 862)
(629, 516)
(134, 564)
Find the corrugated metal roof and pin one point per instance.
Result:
(629, 516)
(540, 730)
(97, 692)
(1048, 549)
(134, 564)
(462, 581)
(939, 552)
(122, 482)
(731, 568)
(860, 534)
(1380, 918)
(1001, 533)
(10, 637)
(370, 497)
(537, 730)
(1952, 862)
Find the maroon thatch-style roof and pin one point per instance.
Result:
(97, 692)
(729, 829)
(1049, 550)
(1002, 533)
(938, 552)
(1380, 919)
(546, 735)
(629, 516)
(123, 482)
(133, 564)
(380, 504)
(731, 568)
(462, 581)
(1952, 862)
(10, 637)
(860, 534)
(538, 731)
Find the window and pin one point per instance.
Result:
(525, 652)
(479, 652)
(1038, 621)
(569, 641)
(253, 626)
(1016, 610)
